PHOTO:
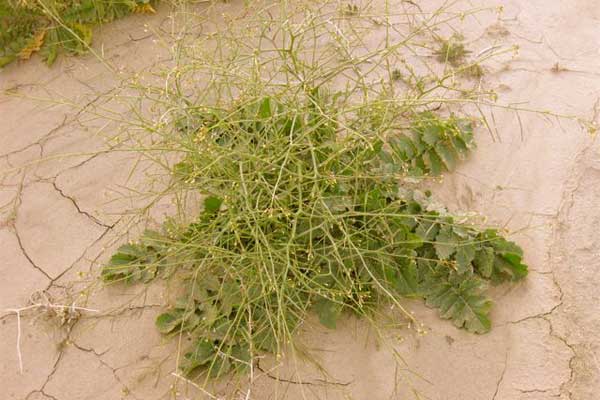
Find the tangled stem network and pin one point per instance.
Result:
(303, 147)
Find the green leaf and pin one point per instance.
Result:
(202, 353)
(412, 241)
(152, 238)
(519, 269)
(502, 246)
(434, 162)
(508, 266)
(136, 262)
(465, 254)
(431, 134)
(167, 322)
(328, 312)
(337, 203)
(419, 166)
(374, 200)
(465, 128)
(447, 154)
(508, 260)
(241, 355)
(407, 282)
(115, 272)
(264, 110)
(209, 281)
(484, 261)
(50, 49)
(419, 145)
(461, 301)
(427, 229)
(220, 365)
(231, 297)
(122, 264)
(446, 242)
(221, 330)
(265, 340)
(210, 314)
(127, 252)
(403, 147)
(5, 60)
(190, 320)
(212, 204)
(183, 169)
(460, 146)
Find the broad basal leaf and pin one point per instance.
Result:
(328, 312)
(167, 322)
(201, 354)
(460, 300)
(433, 162)
(465, 253)
(406, 283)
(484, 261)
(212, 204)
(446, 242)
(508, 258)
(508, 266)
(447, 154)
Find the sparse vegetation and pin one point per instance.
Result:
(474, 71)
(452, 51)
(53, 27)
(308, 171)
(299, 218)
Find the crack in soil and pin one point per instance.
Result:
(40, 142)
(54, 369)
(49, 396)
(572, 359)
(33, 264)
(316, 382)
(105, 364)
(79, 210)
(501, 378)
(52, 282)
(547, 313)
(577, 173)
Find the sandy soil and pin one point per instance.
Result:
(542, 182)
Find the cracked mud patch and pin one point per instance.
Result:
(20, 276)
(52, 232)
(578, 273)
(82, 375)
(543, 182)
(39, 344)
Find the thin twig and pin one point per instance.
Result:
(18, 312)
(200, 388)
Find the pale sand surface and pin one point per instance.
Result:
(543, 183)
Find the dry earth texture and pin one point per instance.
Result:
(536, 175)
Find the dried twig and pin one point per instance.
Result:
(49, 305)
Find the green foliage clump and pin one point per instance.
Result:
(55, 26)
(307, 209)
(452, 51)
(434, 145)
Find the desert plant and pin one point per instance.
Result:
(56, 26)
(297, 217)
(452, 50)
(309, 188)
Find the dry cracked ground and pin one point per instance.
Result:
(540, 177)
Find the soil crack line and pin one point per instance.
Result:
(79, 210)
(33, 264)
(501, 376)
(316, 382)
